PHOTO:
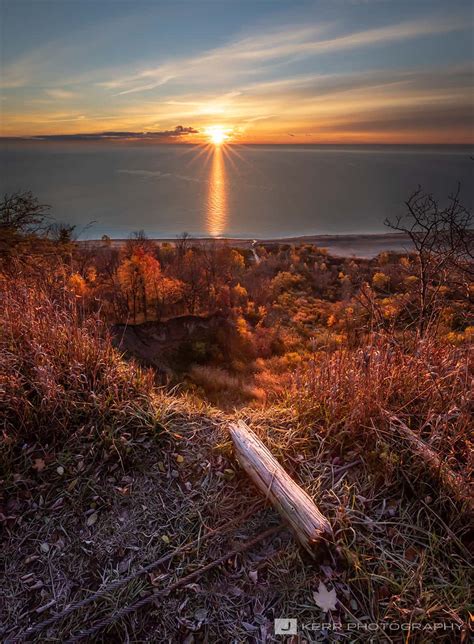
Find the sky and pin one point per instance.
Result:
(268, 71)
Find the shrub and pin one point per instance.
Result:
(380, 281)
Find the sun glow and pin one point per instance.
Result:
(217, 134)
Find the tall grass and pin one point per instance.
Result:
(426, 385)
(59, 373)
(404, 558)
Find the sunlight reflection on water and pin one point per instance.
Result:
(232, 190)
(217, 211)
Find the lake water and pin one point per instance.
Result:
(235, 191)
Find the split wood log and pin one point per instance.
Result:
(292, 502)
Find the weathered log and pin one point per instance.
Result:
(292, 502)
(455, 485)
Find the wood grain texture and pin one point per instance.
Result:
(289, 499)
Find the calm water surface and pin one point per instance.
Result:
(240, 191)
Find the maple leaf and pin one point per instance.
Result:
(324, 598)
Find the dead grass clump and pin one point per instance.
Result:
(218, 383)
(60, 374)
(351, 392)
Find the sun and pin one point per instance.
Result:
(217, 134)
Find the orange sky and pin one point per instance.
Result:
(395, 74)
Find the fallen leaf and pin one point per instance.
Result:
(200, 615)
(165, 538)
(180, 459)
(31, 558)
(249, 627)
(39, 465)
(27, 578)
(411, 553)
(253, 574)
(44, 547)
(92, 519)
(57, 504)
(60, 470)
(324, 598)
(72, 484)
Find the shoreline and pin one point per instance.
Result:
(363, 245)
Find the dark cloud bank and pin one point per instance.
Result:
(178, 132)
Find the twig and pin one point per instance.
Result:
(131, 608)
(229, 525)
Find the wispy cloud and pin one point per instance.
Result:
(268, 84)
(60, 94)
(241, 56)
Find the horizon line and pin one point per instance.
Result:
(76, 138)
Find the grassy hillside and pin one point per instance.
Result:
(104, 471)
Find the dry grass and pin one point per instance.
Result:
(399, 557)
(223, 388)
(350, 393)
(404, 547)
(61, 377)
(78, 514)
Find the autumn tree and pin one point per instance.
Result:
(145, 286)
(167, 292)
(190, 271)
(28, 241)
(134, 275)
(77, 285)
(62, 233)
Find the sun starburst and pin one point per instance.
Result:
(217, 134)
